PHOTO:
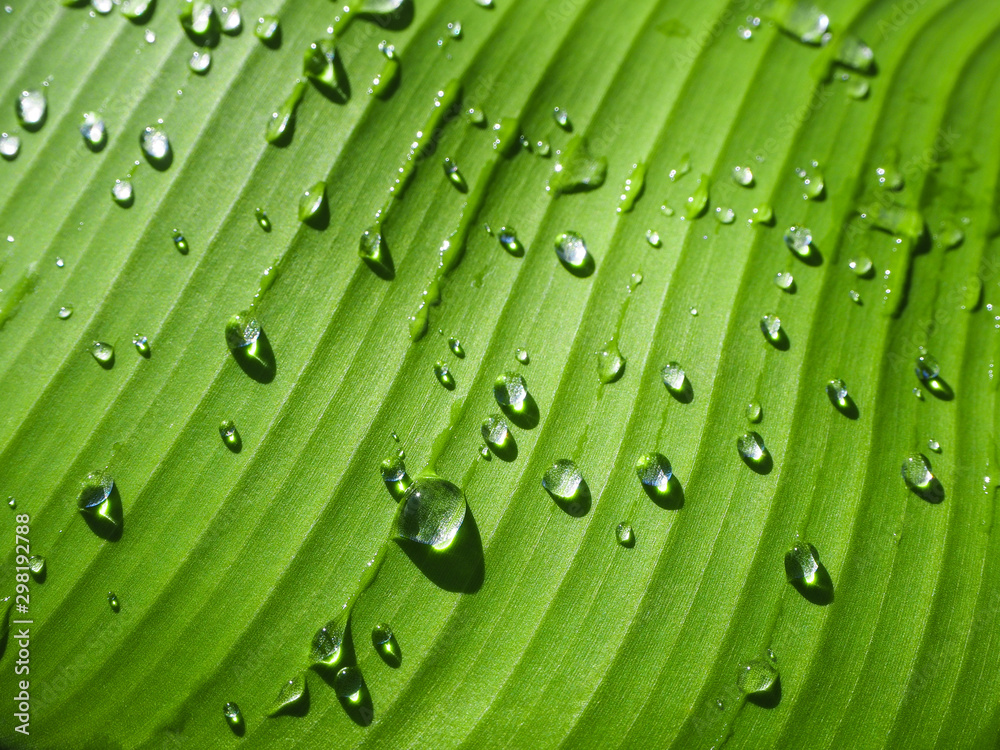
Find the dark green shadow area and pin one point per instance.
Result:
(398, 489)
(340, 93)
(933, 493)
(461, 568)
(106, 519)
(299, 708)
(940, 389)
(582, 271)
(847, 407)
(577, 506)
(811, 257)
(381, 263)
(769, 698)
(389, 651)
(108, 364)
(763, 465)
(779, 342)
(672, 498)
(820, 589)
(527, 417)
(360, 710)
(235, 443)
(508, 451)
(684, 394)
(321, 219)
(257, 359)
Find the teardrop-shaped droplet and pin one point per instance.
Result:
(681, 169)
(137, 10)
(509, 241)
(653, 238)
(927, 368)
(232, 21)
(94, 132)
(770, 326)
(313, 202)
(456, 347)
(511, 390)
(95, 490)
(635, 183)
(443, 373)
(802, 564)
(934, 446)
(813, 181)
(861, 266)
(10, 146)
(757, 677)
(743, 176)
(291, 693)
(476, 116)
(725, 215)
(784, 281)
(754, 412)
(625, 535)
(65, 312)
(454, 175)
(32, 109)
(230, 435)
(431, 512)
(262, 219)
(576, 169)
(11, 502)
(156, 146)
(802, 20)
(180, 243)
(853, 53)
(610, 362)
(572, 251)
(102, 352)
(496, 433)
(234, 717)
(141, 344)
(349, 684)
(201, 61)
(242, 330)
(268, 29)
(385, 643)
(917, 472)
(394, 474)
(799, 240)
(563, 480)
(562, 118)
(522, 356)
(200, 22)
(855, 297)
(322, 65)
(36, 564)
(762, 214)
(654, 471)
(697, 202)
(122, 194)
(751, 447)
(327, 644)
(674, 377)
(113, 602)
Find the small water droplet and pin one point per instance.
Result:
(156, 146)
(927, 368)
(122, 194)
(855, 297)
(476, 116)
(313, 202)
(725, 215)
(667, 210)
(751, 447)
(444, 376)
(610, 362)
(562, 118)
(522, 356)
(268, 30)
(12, 502)
(32, 109)
(232, 21)
(770, 326)
(784, 280)
(762, 214)
(754, 412)
(385, 643)
(576, 169)
(509, 241)
(102, 352)
(563, 481)
(290, 694)
(496, 433)
(682, 169)
(10, 146)
(60, 263)
(916, 472)
(113, 602)
(674, 378)
(853, 53)
(861, 265)
(572, 251)
(262, 220)
(141, 344)
(230, 435)
(456, 347)
(149, 36)
(743, 176)
(349, 684)
(653, 238)
(94, 132)
(453, 173)
(918, 393)
(654, 471)
(36, 564)
(857, 88)
(693, 312)
(510, 389)
(635, 183)
(180, 243)
(802, 564)
(431, 512)
(234, 717)
(697, 202)
(934, 446)
(65, 312)
(542, 148)
(813, 182)
(201, 61)
(757, 677)
(625, 535)
(242, 330)
(799, 240)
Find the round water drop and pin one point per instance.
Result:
(456, 347)
(455, 29)
(861, 265)
(934, 446)
(855, 296)
(542, 148)
(510, 389)
(394, 474)
(312, 202)
(96, 488)
(268, 29)
(102, 6)
(725, 215)
(916, 472)
(229, 434)
(762, 214)
(751, 447)
(10, 146)
(65, 312)
(563, 480)
(156, 146)
(113, 602)
(754, 412)
(858, 88)
(802, 563)
(950, 234)
(431, 512)
(94, 132)
(522, 356)
(122, 194)
(349, 684)
(149, 36)
(234, 717)
(509, 241)
(770, 326)
(610, 362)
(572, 250)
(102, 352)
(242, 330)
(36, 564)
(757, 677)
(625, 535)
(836, 389)
(385, 643)
(799, 240)
(927, 368)
(444, 376)
(232, 21)
(654, 471)
(743, 176)
(180, 243)
(141, 344)
(562, 118)
(784, 281)
(476, 116)
(262, 220)
(496, 433)
(32, 109)
(653, 238)
(201, 61)
(674, 377)
(813, 182)
(453, 173)
(60, 263)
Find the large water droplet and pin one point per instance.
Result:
(456, 347)
(10, 146)
(103, 352)
(497, 435)
(431, 512)
(234, 718)
(156, 146)
(674, 378)
(200, 22)
(511, 390)
(610, 362)
(565, 483)
(743, 176)
(855, 54)
(232, 21)
(94, 132)
(802, 20)
(242, 330)
(752, 449)
(917, 473)
(291, 694)
(576, 169)
(654, 471)
(326, 647)
(349, 684)
(757, 677)
(861, 265)
(32, 109)
(141, 344)
(927, 368)
(770, 326)
(572, 252)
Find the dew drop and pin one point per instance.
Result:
(653, 238)
(562, 118)
(234, 717)
(802, 20)
(10, 146)
(268, 30)
(349, 684)
(102, 352)
(443, 373)
(674, 378)
(313, 202)
(32, 109)
(60, 263)
(751, 447)
(934, 446)
(610, 362)
(150, 36)
(122, 194)
(858, 88)
(290, 694)
(784, 280)
(141, 344)
(634, 185)
(754, 412)
(757, 677)
(509, 241)
(431, 512)
(385, 643)
(242, 330)
(853, 53)
(65, 312)
(917, 473)
(454, 175)
(156, 146)
(563, 480)
(802, 564)
(262, 219)
(654, 471)
(137, 10)
(927, 368)
(837, 391)
(94, 132)
(855, 297)
(813, 182)
(511, 390)
(697, 202)
(201, 61)
(572, 251)
(576, 169)
(36, 564)
(682, 169)
(725, 215)
(180, 243)
(230, 435)
(770, 326)
(799, 240)
(200, 22)
(476, 116)
(11, 502)
(743, 176)
(762, 214)
(113, 602)
(861, 265)
(232, 21)
(496, 433)
(522, 356)
(456, 347)
(625, 535)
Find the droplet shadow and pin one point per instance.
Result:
(769, 698)
(381, 263)
(845, 406)
(257, 360)
(461, 568)
(933, 493)
(577, 506)
(321, 219)
(762, 465)
(684, 394)
(527, 417)
(672, 498)
(818, 591)
(811, 257)
(779, 341)
(508, 451)
(940, 389)
(583, 270)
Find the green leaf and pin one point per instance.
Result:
(777, 584)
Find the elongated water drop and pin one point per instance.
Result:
(201, 61)
(509, 241)
(443, 373)
(813, 182)
(770, 326)
(262, 219)
(234, 717)
(94, 132)
(934, 445)
(802, 563)
(313, 202)
(113, 602)
(180, 243)
(65, 312)
(563, 480)
(200, 22)
(571, 250)
(456, 347)
(674, 378)
(230, 435)
(610, 362)
(576, 169)
(322, 65)
(454, 175)
(11, 502)
(653, 238)
(36, 564)
(562, 118)
(242, 330)
(625, 535)
(291, 693)
(281, 123)
(232, 21)
(784, 281)
(697, 202)
(511, 390)
(917, 473)
(751, 447)
(141, 344)
(10, 146)
(103, 352)
(927, 368)
(522, 356)
(496, 433)
(431, 512)
(635, 183)
(32, 109)
(743, 176)
(754, 412)
(802, 20)
(385, 643)
(156, 146)
(122, 194)
(654, 471)
(681, 169)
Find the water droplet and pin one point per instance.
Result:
(572, 251)
(853, 53)
(861, 265)
(858, 88)
(323, 66)
(743, 176)
(653, 238)
(784, 280)
(65, 312)
(262, 220)
(180, 243)
(36, 564)
(452, 172)
(496, 433)
(563, 480)
(141, 344)
(813, 182)
(725, 215)
(431, 512)
(349, 684)
(855, 297)
(685, 166)
(137, 10)
(242, 330)
(918, 393)
(522, 356)
(802, 20)
(576, 169)
(385, 643)
(751, 447)
(102, 352)
(927, 367)
(654, 471)
(386, 80)
(542, 148)
(444, 376)
(890, 176)
(916, 472)
(113, 602)
(934, 446)
(201, 61)
(200, 22)
(754, 412)
(455, 29)
(230, 435)
(610, 362)
(762, 214)
(290, 694)
(799, 240)
(60, 263)
(484, 3)
(121, 193)
(562, 119)
(232, 21)
(456, 347)
(635, 183)
(510, 389)
(94, 132)
(510, 242)
(32, 109)
(625, 535)
(10, 146)
(11, 502)
(313, 203)
(757, 677)
(156, 146)
(667, 210)
(674, 378)
(268, 30)
(394, 474)
(149, 36)
(770, 326)
(476, 116)
(234, 717)
(697, 202)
